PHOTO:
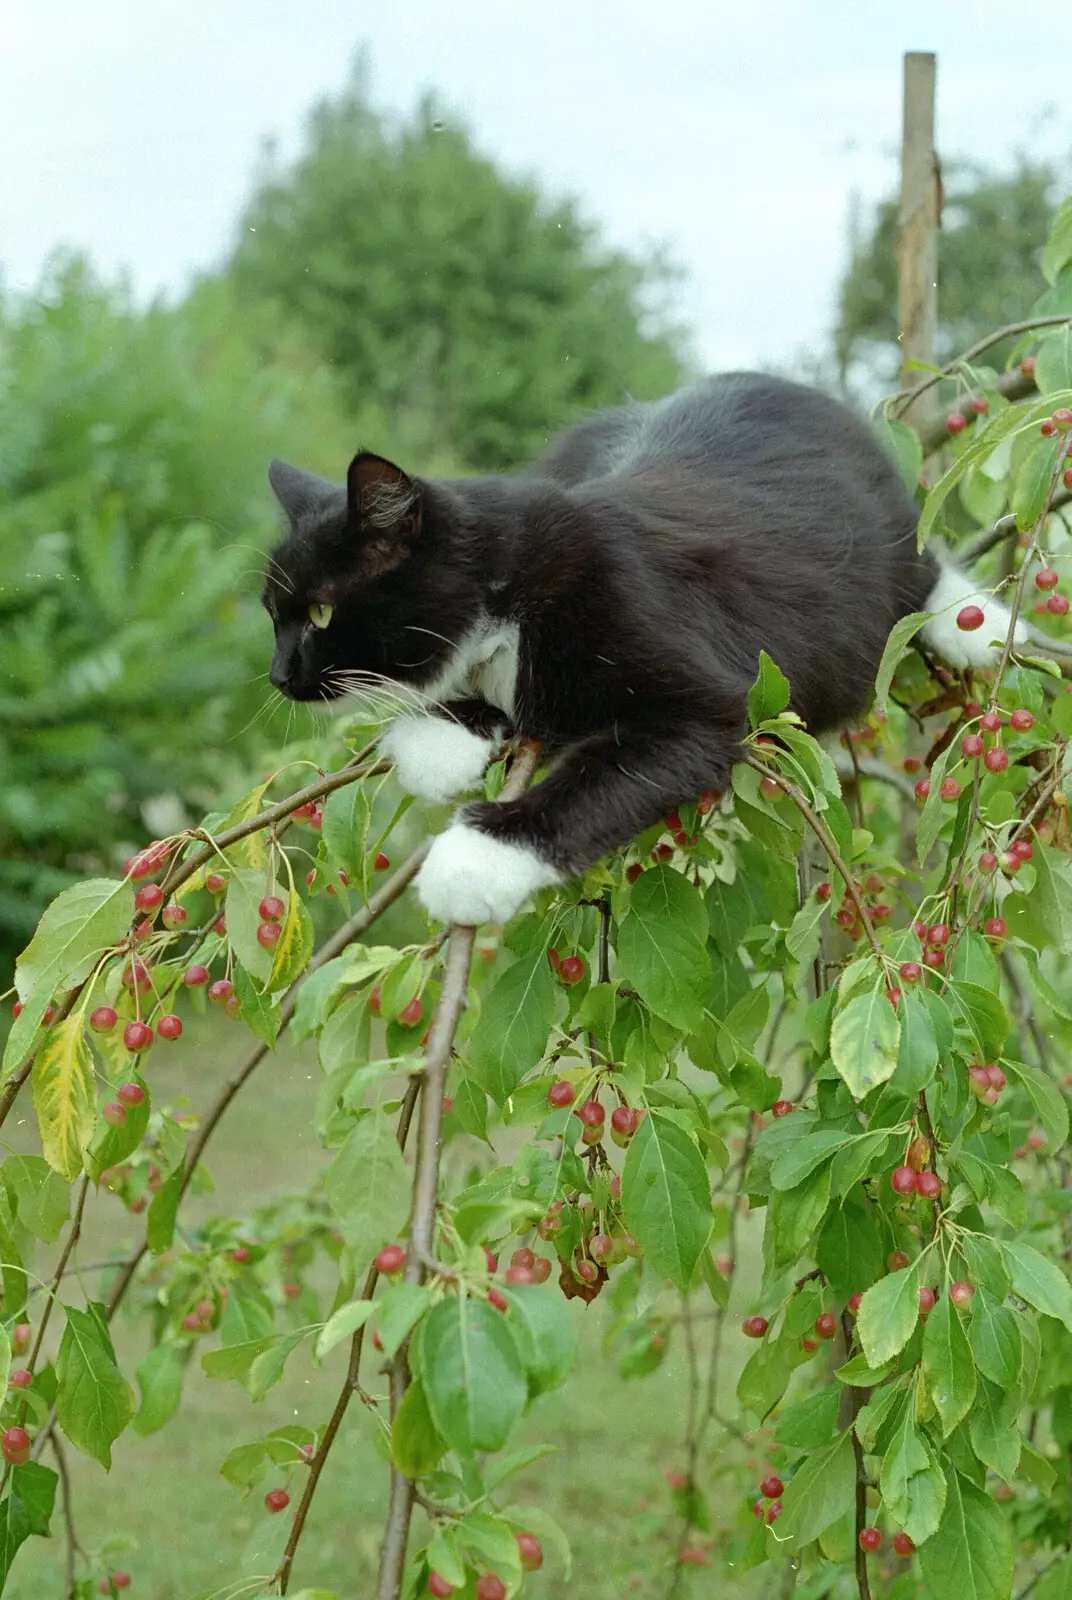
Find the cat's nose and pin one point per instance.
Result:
(279, 672)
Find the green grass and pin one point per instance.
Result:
(192, 1530)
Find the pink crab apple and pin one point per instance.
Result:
(754, 1327)
(277, 1500)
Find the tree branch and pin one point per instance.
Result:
(73, 1548)
(1012, 384)
(426, 1176)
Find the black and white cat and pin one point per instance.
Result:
(610, 602)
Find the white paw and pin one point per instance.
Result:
(435, 759)
(471, 878)
(954, 590)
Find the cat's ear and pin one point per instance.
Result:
(385, 510)
(301, 493)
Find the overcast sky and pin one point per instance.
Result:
(735, 133)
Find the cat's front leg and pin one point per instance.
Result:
(600, 795)
(439, 757)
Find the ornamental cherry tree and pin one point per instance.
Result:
(834, 1001)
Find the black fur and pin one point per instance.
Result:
(645, 559)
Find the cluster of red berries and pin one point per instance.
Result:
(201, 1317)
(114, 1580)
(769, 1507)
(1010, 861)
(570, 969)
(986, 1082)
(489, 1587)
(848, 917)
(411, 1012)
(956, 421)
(907, 1181)
(1046, 579)
(624, 1121)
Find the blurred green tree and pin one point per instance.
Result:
(483, 316)
(994, 225)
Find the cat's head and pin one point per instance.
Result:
(362, 586)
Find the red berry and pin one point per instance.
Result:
(1046, 578)
(120, 1580)
(980, 405)
(15, 1444)
(926, 1300)
(933, 958)
(923, 788)
(996, 928)
(1022, 721)
(233, 1006)
(149, 896)
(277, 1499)
(561, 1094)
(173, 916)
(772, 1487)
(135, 974)
(20, 1337)
(823, 892)
(499, 1301)
(826, 1324)
(571, 970)
(169, 1026)
(103, 1019)
(130, 1094)
(1027, 366)
(530, 1550)
(194, 977)
(304, 813)
(489, 1587)
(240, 1255)
(114, 1114)
(592, 1114)
(292, 1291)
(375, 1001)
(215, 883)
(272, 909)
(541, 1271)
(988, 861)
(137, 1036)
(996, 760)
(624, 1122)
(990, 721)
(1022, 848)
(1057, 604)
(220, 927)
(996, 1077)
(381, 862)
(523, 1257)
(929, 1185)
(20, 1378)
(1062, 419)
(412, 1012)
(439, 1586)
(870, 1539)
(971, 746)
(912, 763)
(969, 618)
(903, 1544)
(1048, 427)
(317, 819)
(633, 871)
(269, 934)
(950, 789)
(392, 1258)
(221, 990)
(897, 1260)
(894, 997)
(754, 1327)
(854, 1301)
(956, 422)
(910, 972)
(938, 933)
(1010, 862)
(962, 1293)
(520, 1275)
(781, 1108)
(903, 1180)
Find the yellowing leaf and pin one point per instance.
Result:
(64, 1096)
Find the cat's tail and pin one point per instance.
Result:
(958, 647)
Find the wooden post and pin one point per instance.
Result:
(917, 228)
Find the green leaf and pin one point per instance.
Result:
(472, 1372)
(245, 891)
(25, 1511)
(971, 1555)
(1032, 483)
(901, 635)
(160, 1376)
(534, 1520)
(666, 1196)
(245, 1465)
(368, 1183)
(266, 1369)
(401, 1308)
(345, 829)
(94, 1401)
(948, 1365)
(994, 1336)
(40, 1199)
(985, 442)
(1038, 1281)
(1057, 251)
(291, 955)
(545, 1337)
(809, 1423)
(1048, 1103)
(416, 1446)
(1053, 363)
(235, 1360)
(917, 1054)
(912, 1483)
(982, 1015)
(888, 1315)
(343, 1324)
(163, 1210)
(511, 1035)
(662, 946)
(769, 694)
(260, 1013)
(65, 1095)
(809, 1152)
(902, 443)
(849, 1250)
(993, 1430)
(822, 1489)
(80, 923)
(864, 1041)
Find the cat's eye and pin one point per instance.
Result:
(320, 615)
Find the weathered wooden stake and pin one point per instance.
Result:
(917, 228)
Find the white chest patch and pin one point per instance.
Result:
(484, 662)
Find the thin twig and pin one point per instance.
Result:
(426, 1175)
(71, 1241)
(73, 1547)
(857, 1399)
(905, 397)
